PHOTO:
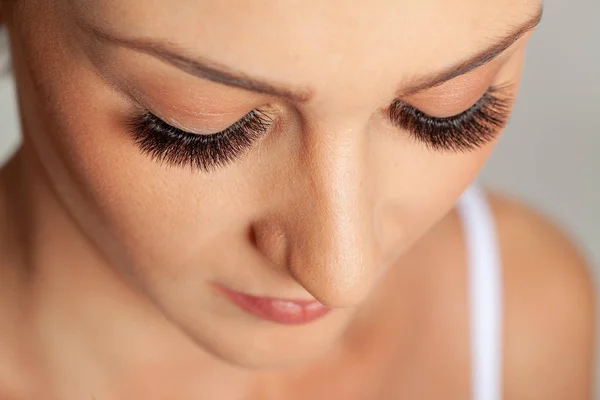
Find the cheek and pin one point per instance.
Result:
(422, 186)
(158, 217)
(140, 213)
(162, 216)
(441, 182)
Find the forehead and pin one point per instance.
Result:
(304, 41)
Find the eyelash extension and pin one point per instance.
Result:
(165, 143)
(463, 132)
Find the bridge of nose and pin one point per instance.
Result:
(323, 232)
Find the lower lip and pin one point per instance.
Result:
(289, 312)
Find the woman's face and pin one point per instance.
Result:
(316, 151)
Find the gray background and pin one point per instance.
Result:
(549, 154)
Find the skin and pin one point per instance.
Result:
(110, 255)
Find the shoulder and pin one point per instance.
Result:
(549, 306)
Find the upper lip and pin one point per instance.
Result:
(299, 301)
(281, 310)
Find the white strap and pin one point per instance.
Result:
(485, 295)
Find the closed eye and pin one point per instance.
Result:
(468, 130)
(165, 143)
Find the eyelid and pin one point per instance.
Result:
(468, 130)
(212, 114)
(471, 104)
(445, 106)
(167, 144)
(183, 109)
(458, 94)
(198, 123)
(453, 97)
(209, 127)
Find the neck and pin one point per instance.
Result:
(80, 330)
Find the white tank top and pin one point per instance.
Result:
(485, 295)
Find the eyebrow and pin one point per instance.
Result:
(475, 61)
(219, 73)
(203, 68)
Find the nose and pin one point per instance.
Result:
(324, 234)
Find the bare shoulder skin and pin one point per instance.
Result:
(550, 308)
(549, 318)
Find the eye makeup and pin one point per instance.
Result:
(465, 131)
(167, 144)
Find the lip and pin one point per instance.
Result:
(281, 311)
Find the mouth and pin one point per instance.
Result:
(281, 311)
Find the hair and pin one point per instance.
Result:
(4, 52)
(4, 49)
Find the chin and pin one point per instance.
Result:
(273, 358)
(261, 345)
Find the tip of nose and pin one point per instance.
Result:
(339, 293)
(335, 262)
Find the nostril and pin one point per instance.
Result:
(270, 240)
(252, 236)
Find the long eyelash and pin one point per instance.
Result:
(466, 131)
(170, 145)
